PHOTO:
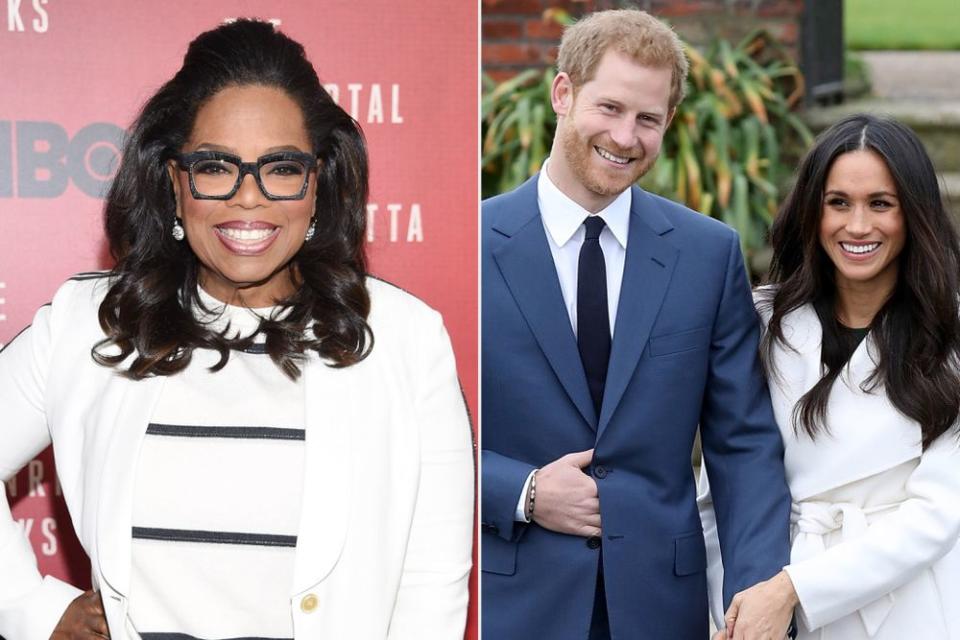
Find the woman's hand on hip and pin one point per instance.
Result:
(83, 619)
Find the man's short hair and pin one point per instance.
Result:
(634, 33)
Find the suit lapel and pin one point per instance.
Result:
(526, 264)
(647, 270)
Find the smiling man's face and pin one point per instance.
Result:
(609, 130)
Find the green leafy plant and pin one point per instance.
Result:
(730, 148)
(518, 126)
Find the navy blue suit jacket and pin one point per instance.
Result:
(684, 355)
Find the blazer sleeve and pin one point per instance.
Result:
(893, 550)
(503, 482)
(742, 446)
(434, 587)
(31, 605)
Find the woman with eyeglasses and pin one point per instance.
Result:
(862, 352)
(254, 438)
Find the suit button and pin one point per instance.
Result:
(593, 542)
(600, 472)
(309, 603)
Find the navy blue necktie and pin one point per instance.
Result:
(593, 318)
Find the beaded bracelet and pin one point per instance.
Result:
(532, 497)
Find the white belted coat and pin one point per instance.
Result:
(875, 519)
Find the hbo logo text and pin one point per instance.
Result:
(39, 159)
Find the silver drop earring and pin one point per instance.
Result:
(177, 231)
(311, 230)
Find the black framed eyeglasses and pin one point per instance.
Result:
(215, 175)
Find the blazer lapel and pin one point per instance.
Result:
(128, 418)
(527, 266)
(858, 421)
(334, 402)
(646, 274)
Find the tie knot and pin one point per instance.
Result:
(594, 226)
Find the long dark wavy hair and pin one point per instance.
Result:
(148, 310)
(917, 331)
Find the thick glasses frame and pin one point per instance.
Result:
(186, 162)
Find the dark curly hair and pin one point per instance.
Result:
(148, 310)
(917, 331)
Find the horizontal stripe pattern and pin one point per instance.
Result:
(252, 433)
(214, 537)
(216, 506)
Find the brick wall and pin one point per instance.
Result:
(518, 34)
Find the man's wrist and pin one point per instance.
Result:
(520, 513)
(531, 500)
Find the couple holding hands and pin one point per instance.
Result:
(617, 325)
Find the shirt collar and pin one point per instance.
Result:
(563, 217)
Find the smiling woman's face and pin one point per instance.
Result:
(245, 244)
(862, 228)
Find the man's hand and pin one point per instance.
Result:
(567, 500)
(83, 620)
(763, 611)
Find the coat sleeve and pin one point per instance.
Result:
(714, 560)
(434, 587)
(742, 446)
(30, 605)
(893, 550)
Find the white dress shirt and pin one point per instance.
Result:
(563, 221)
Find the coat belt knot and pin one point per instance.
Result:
(813, 520)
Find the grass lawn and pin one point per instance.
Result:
(902, 24)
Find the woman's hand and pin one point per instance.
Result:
(83, 619)
(763, 611)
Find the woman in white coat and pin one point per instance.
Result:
(861, 350)
(253, 437)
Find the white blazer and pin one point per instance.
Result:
(875, 518)
(384, 542)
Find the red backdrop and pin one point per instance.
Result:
(73, 74)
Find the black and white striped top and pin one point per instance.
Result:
(217, 498)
